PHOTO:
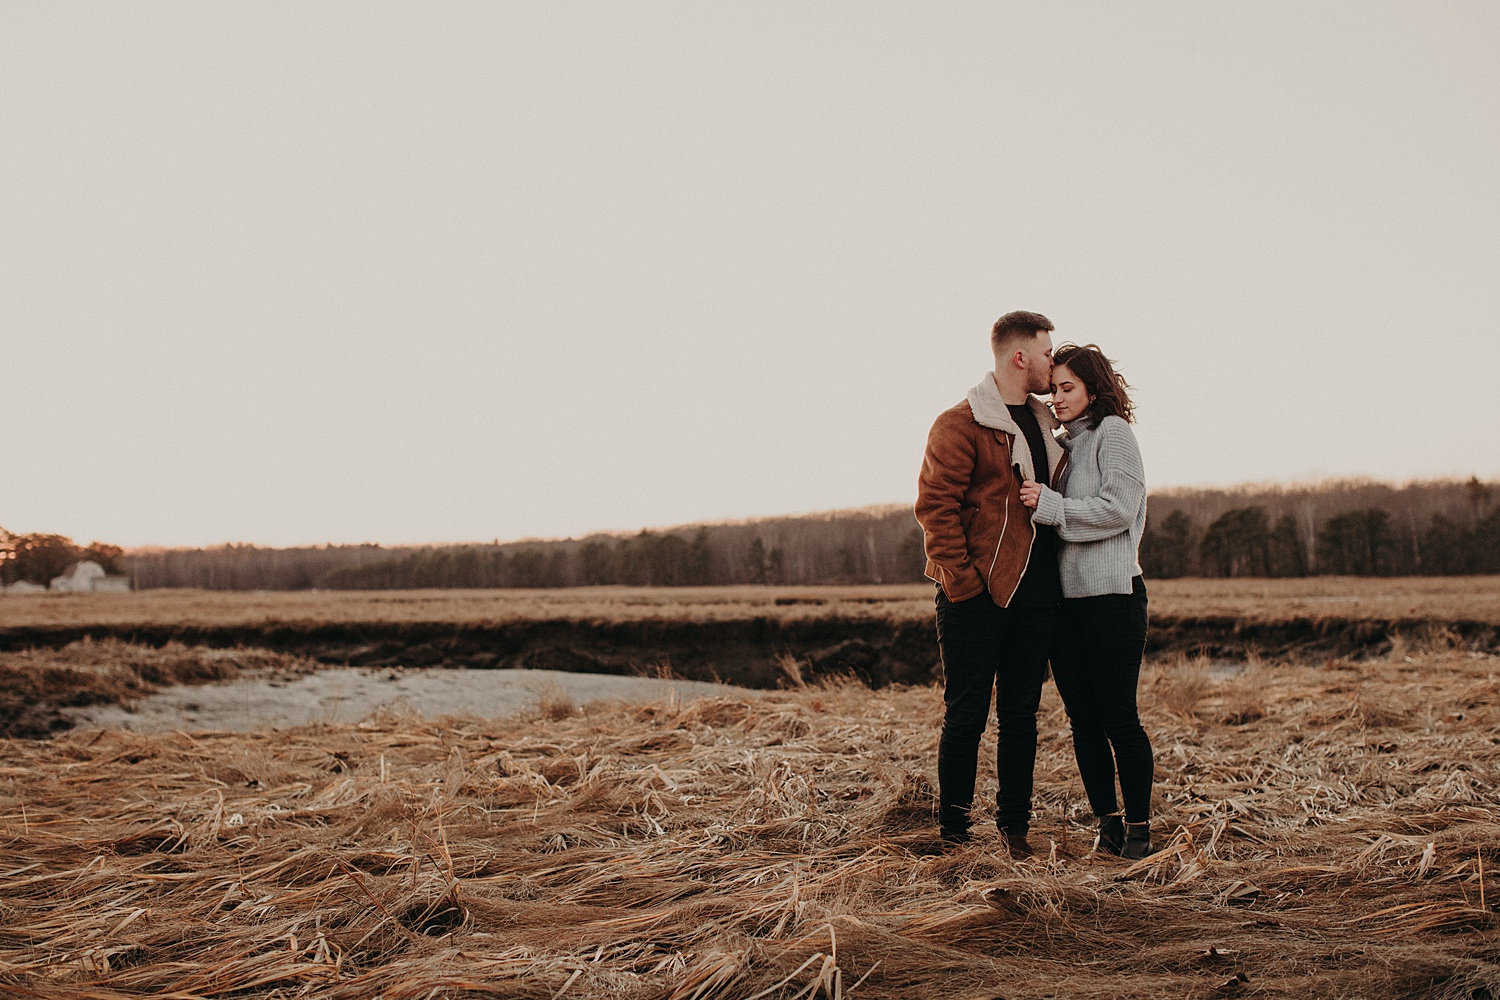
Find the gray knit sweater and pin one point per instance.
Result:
(1101, 511)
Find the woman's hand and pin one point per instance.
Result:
(1031, 493)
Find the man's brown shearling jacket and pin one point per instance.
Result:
(976, 532)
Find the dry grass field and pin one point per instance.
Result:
(1430, 598)
(1328, 828)
(1326, 831)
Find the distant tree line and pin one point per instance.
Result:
(250, 567)
(37, 558)
(872, 545)
(1354, 528)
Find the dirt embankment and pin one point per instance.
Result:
(759, 652)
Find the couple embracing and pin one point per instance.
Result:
(1031, 536)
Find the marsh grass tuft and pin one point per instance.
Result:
(1179, 684)
(1375, 712)
(1430, 639)
(554, 703)
(791, 670)
(1241, 697)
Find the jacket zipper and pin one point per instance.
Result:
(1029, 546)
(996, 558)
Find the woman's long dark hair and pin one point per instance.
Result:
(1097, 373)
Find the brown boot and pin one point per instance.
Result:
(1016, 844)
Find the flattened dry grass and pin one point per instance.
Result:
(464, 607)
(1409, 598)
(1339, 840)
(1470, 598)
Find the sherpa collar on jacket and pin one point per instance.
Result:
(990, 411)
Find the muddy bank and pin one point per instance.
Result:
(750, 652)
(746, 652)
(1314, 638)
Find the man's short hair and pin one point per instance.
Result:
(1016, 326)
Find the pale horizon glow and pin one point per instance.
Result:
(289, 274)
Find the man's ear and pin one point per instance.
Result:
(1018, 359)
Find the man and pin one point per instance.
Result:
(997, 574)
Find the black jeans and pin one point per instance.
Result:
(989, 648)
(1096, 663)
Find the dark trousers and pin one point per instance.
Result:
(1096, 664)
(987, 648)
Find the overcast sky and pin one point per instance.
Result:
(292, 273)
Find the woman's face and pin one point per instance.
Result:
(1069, 398)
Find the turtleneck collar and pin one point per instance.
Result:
(1079, 426)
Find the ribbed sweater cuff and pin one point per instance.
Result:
(1049, 507)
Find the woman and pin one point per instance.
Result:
(1101, 628)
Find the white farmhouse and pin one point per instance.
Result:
(88, 577)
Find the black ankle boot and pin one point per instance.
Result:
(1137, 841)
(1111, 834)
